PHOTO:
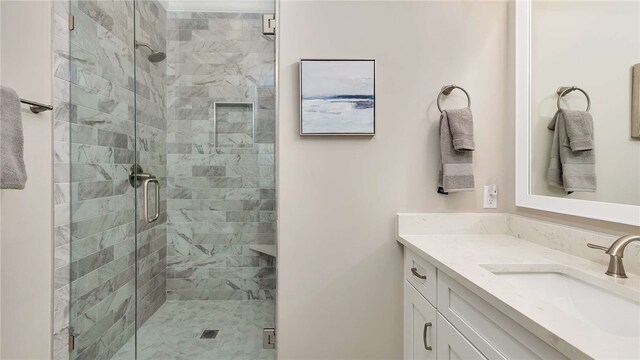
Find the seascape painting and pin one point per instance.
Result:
(337, 97)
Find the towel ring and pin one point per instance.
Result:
(564, 90)
(447, 89)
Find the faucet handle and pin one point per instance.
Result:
(615, 252)
(594, 246)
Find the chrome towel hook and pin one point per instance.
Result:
(564, 90)
(447, 89)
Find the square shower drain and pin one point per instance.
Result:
(209, 334)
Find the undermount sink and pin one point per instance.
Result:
(610, 312)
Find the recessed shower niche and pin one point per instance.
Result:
(233, 124)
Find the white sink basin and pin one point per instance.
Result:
(608, 311)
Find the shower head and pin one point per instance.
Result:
(156, 56)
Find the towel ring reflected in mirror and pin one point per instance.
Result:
(447, 89)
(564, 90)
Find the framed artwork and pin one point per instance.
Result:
(337, 97)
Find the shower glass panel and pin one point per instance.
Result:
(102, 148)
(172, 181)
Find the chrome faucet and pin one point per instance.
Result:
(616, 251)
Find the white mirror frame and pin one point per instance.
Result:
(618, 213)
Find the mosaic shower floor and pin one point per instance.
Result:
(173, 332)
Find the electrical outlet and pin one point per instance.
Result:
(490, 197)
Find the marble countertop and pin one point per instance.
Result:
(466, 259)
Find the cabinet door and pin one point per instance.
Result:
(452, 345)
(492, 332)
(419, 326)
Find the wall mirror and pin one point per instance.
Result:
(578, 55)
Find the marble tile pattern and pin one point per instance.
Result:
(220, 174)
(95, 142)
(151, 149)
(61, 187)
(173, 332)
(217, 177)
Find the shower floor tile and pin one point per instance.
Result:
(173, 332)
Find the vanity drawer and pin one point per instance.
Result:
(421, 275)
(493, 333)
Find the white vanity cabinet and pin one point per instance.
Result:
(420, 325)
(452, 345)
(445, 320)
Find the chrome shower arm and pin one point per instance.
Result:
(138, 44)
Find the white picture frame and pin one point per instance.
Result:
(612, 212)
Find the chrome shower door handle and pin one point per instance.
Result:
(145, 200)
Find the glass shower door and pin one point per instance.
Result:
(102, 145)
(151, 149)
(172, 182)
(220, 189)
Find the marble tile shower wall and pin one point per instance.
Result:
(221, 176)
(151, 129)
(94, 147)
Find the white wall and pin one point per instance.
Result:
(591, 44)
(340, 268)
(25, 225)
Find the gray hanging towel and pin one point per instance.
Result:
(572, 165)
(12, 171)
(579, 125)
(461, 126)
(456, 150)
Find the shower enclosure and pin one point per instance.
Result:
(172, 181)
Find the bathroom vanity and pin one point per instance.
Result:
(492, 286)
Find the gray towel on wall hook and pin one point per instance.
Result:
(13, 174)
